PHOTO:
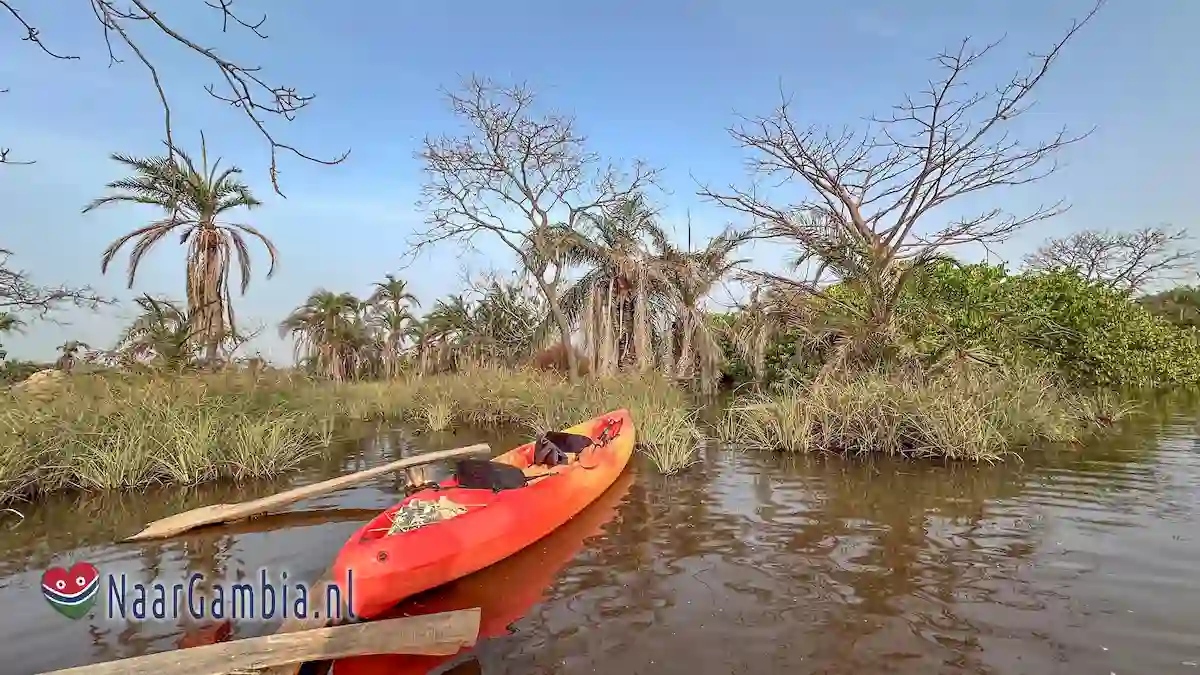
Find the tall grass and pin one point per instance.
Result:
(116, 431)
(126, 431)
(102, 431)
(666, 426)
(971, 414)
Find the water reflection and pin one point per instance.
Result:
(504, 592)
(1076, 560)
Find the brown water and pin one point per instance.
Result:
(1072, 562)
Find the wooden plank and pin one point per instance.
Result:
(223, 513)
(295, 625)
(434, 634)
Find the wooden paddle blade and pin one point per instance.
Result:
(223, 513)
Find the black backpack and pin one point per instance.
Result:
(484, 474)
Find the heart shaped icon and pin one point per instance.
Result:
(71, 592)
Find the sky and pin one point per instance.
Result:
(658, 80)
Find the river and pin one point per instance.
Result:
(1073, 561)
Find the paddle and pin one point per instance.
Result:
(223, 513)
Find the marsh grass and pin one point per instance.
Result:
(968, 414)
(482, 397)
(121, 431)
(110, 431)
(113, 431)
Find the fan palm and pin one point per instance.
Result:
(392, 326)
(194, 198)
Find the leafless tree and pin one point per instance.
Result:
(869, 189)
(20, 296)
(1128, 261)
(243, 86)
(522, 176)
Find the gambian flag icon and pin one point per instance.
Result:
(71, 592)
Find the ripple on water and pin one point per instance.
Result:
(1072, 562)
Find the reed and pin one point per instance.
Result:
(111, 431)
(971, 414)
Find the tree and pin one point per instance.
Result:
(518, 174)
(693, 274)
(244, 86)
(8, 324)
(391, 325)
(163, 335)
(19, 295)
(1125, 261)
(1179, 305)
(329, 332)
(624, 289)
(70, 355)
(193, 199)
(393, 293)
(869, 190)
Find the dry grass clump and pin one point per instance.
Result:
(974, 414)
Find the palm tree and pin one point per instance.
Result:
(450, 329)
(421, 335)
(329, 332)
(393, 293)
(506, 318)
(70, 350)
(392, 326)
(694, 274)
(163, 335)
(624, 294)
(193, 199)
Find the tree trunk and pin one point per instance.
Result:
(641, 326)
(564, 328)
(205, 306)
(591, 344)
(684, 368)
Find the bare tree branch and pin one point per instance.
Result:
(19, 296)
(1128, 261)
(244, 86)
(523, 177)
(868, 189)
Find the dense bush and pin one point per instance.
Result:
(1088, 334)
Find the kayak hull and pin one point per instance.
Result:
(377, 571)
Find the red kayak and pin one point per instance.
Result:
(503, 592)
(396, 555)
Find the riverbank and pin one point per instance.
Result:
(113, 430)
(975, 414)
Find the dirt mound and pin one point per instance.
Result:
(42, 385)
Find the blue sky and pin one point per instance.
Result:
(658, 80)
